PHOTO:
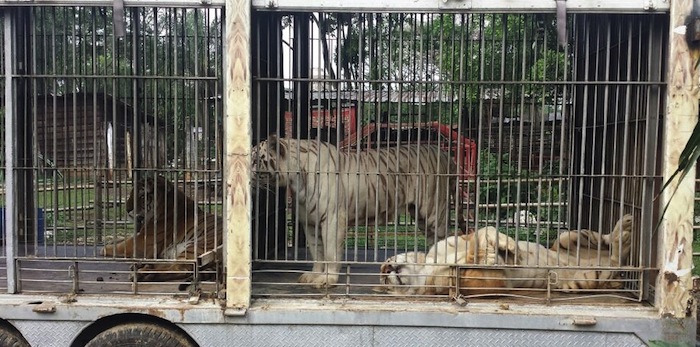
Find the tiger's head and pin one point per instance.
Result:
(269, 163)
(142, 203)
(153, 196)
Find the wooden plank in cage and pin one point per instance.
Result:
(673, 285)
(237, 127)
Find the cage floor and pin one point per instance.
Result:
(70, 269)
(360, 282)
(95, 275)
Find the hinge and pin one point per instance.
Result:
(561, 23)
(118, 13)
(654, 5)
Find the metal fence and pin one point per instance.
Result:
(3, 144)
(102, 114)
(401, 137)
(551, 137)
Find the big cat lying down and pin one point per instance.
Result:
(528, 263)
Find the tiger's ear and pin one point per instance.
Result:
(145, 175)
(147, 179)
(275, 145)
(163, 184)
(272, 141)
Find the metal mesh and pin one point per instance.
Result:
(3, 259)
(548, 140)
(102, 115)
(477, 120)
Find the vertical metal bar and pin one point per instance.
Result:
(10, 206)
(237, 127)
(628, 154)
(654, 73)
(582, 124)
(602, 139)
(563, 137)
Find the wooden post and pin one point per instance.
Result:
(237, 148)
(673, 297)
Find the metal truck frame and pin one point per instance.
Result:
(234, 318)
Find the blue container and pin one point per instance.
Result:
(40, 225)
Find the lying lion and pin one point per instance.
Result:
(528, 263)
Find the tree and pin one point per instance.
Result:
(456, 55)
(169, 62)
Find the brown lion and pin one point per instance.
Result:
(173, 227)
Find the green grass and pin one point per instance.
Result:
(65, 197)
(87, 236)
(70, 214)
(385, 240)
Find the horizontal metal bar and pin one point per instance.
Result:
(512, 6)
(449, 82)
(109, 3)
(181, 77)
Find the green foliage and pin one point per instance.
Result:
(496, 169)
(549, 67)
(429, 52)
(502, 182)
(182, 47)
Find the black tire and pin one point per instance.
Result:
(140, 334)
(11, 338)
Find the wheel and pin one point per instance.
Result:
(140, 334)
(9, 337)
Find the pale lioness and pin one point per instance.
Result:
(434, 273)
(573, 259)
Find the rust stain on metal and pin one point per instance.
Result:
(584, 321)
(156, 312)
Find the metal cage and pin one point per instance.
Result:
(101, 114)
(366, 171)
(550, 134)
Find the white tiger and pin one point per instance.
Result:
(334, 190)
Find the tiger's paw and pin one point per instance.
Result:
(319, 281)
(307, 277)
